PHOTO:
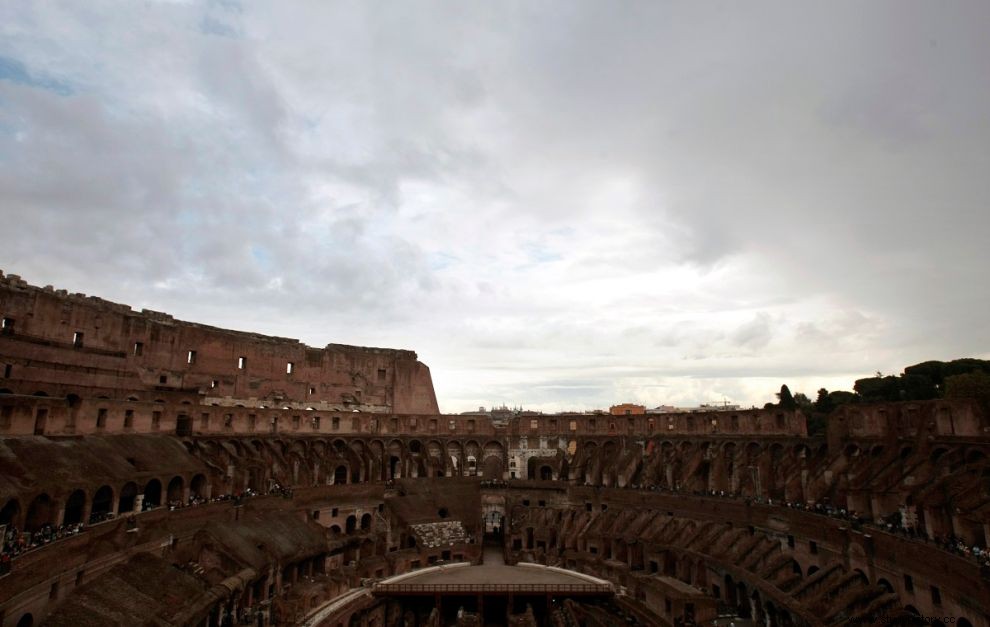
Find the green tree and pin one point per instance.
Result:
(823, 403)
(785, 400)
(974, 385)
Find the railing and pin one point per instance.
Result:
(530, 588)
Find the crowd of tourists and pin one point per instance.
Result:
(893, 523)
(16, 542)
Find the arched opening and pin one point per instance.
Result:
(340, 475)
(40, 512)
(351, 524)
(812, 570)
(128, 494)
(334, 531)
(366, 522)
(493, 467)
(183, 425)
(174, 492)
(152, 494)
(546, 473)
(74, 506)
(393, 467)
(743, 606)
(11, 510)
(102, 504)
(883, 583)
(197, 488)
(26, 621)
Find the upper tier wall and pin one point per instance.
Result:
(61, 344)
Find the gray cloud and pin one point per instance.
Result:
(559, 205)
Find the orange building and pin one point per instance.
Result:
(627, 409)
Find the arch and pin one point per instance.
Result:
(40, 512)
(197, 487)
(128, 495)
(26, 621)
(174, 490)
(415, 446)
(492, 467)
(340, 474)
(351, 524)
(366, 522)
(102, 503)
(152, 494)
(883, 583)
(334, 530)
(546, 473)
(812, 570)
(74, 507)
(10, 513)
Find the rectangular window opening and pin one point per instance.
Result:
(128, 418)
(77, 339)
(191, 357)
(7, 369)
(101, 418)
(289, 367)
(241, 363)
(7, 326)
(138, 349)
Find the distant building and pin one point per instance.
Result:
(627, 409)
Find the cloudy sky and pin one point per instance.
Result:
(556, 204)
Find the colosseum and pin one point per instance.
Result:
(159, 472)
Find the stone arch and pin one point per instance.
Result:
(351, 524)
(198, 486)
(492, 467)
(883, 583)
(74, 507)
(102, 503)
(27, 620)
(175, 488)
(128, 496)
(11, 512)
(340, 474)
(366, 522)
(152, 494)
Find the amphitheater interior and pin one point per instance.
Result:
(159, 472)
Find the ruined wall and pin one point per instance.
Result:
(59, 343)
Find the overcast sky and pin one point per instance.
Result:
(561, 205)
